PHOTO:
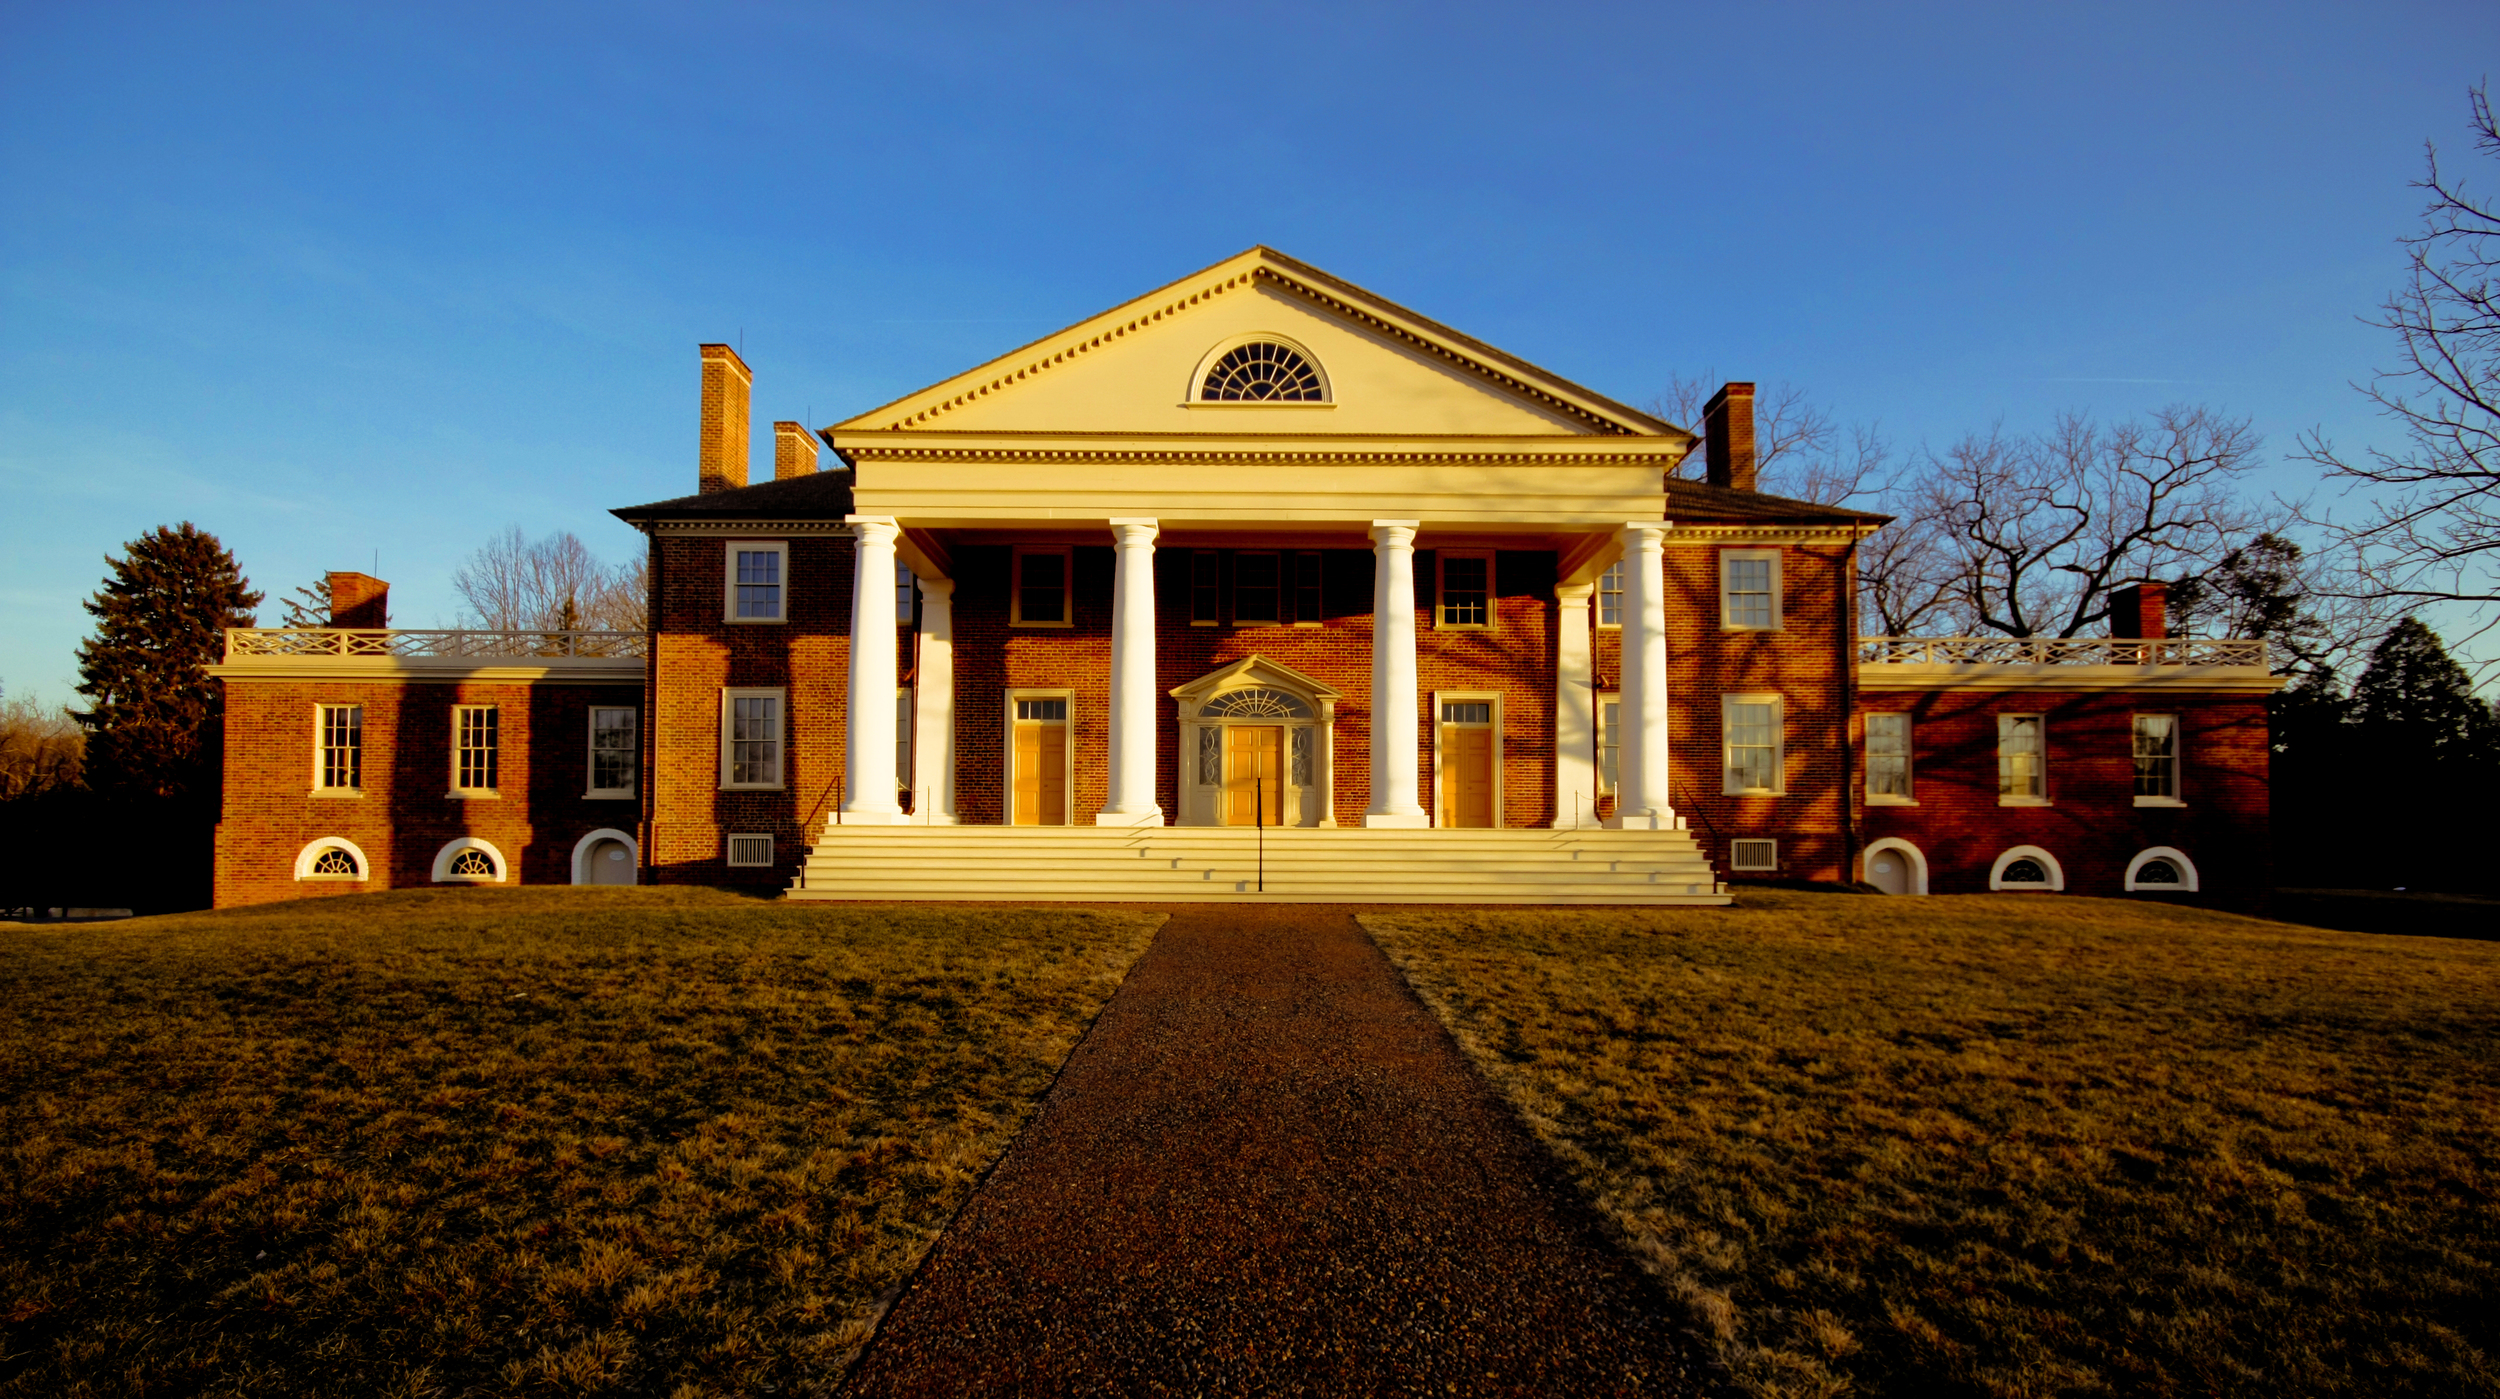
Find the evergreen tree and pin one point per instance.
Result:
(160, 619)
(308, 606)
(2416, 700)
(2424, 752)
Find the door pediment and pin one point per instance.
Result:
(1248, 672)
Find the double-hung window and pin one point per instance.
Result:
(1466, 588)
(1888, 759)
(339, 758)
(906, 595)
(1751, 724)
(614, 755)
(2022, 760)
(475, 750)
(757, 575)
(2156, 759)
(750, 738)
(1609, 742)
(1749, 589)
(1306, 603)
(1256, 589)
(1042, 587)
(1610, 595)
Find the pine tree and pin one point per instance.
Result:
(160, 619)
(2416, 699)
(2425, 752)
(308, 606)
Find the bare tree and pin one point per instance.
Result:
(2429, 523)
(41, 747)
(2033, 533)
(551, 584)
(1800, 451)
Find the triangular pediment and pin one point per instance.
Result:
(1249, 671)
(1136, 369)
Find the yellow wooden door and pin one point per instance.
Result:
(1466, 775)
(1041, 774)
(1254, 774)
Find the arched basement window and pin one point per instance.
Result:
(2024, 871)
(1262, 372)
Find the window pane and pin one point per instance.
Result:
(1302, 757)
(342, 745)
(612, 751)
(1210, 756)
(1610, 596)
(477, 748)
(1753, 746)
(1749, 592)
(1888, 755)
(2020, 767)
(1609, 744)
(759, 582)
(902, 739)
(1467, 712)
(1306, 603)
(906, 593)
(1465, 584)
(2156, 755)
(1044, 588)
(1049, 711)
(1254, 588)
(1205, 585)
(755, 741)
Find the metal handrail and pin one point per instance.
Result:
(2059, 650)
(244, 642)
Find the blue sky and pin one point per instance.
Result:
(345, 281)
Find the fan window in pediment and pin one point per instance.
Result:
(1262, 372)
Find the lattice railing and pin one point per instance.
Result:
(243, 642)
(2057, 650)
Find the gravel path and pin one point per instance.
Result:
(1267, 1170)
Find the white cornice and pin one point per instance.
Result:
(1768, 534)
(2250, 680)
(557, 670)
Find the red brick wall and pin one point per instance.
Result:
(696, 654)
(2092, 825)
(1804, 662)
(404, 817)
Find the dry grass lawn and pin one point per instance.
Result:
(2010, 1145)
(474, 1141)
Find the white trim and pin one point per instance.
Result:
(730, 549)
(729, 844)
(2048, 862)
(1441, 594)
(1067, 584)
(1917, 860)
(1909, 757)
(1778, 593)
(353, 789)
(2187, 871)
(304, 860)
(1440, 815)
(591, 790)
(492, 790)
(781, 737)
(1198, 377)
(1007, 754)
(581, 851)
(1597, 598)
(1603, 730)
(444, 857)
(1779, 744)
(2044, 796)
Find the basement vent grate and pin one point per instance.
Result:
(1753, 854)
(750, 850)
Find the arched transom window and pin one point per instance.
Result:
(473, 863)
(1262, 372)
(335, 862)
(1255, 704)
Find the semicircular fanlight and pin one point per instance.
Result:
(1255, 704)
(1262, 372)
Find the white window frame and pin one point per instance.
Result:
(2005, 724)
(493, 790)
(781, 737)
(1612, 576)
(591, 790)
(321, 724)
(730, 550)
(906, 596)
(1007, 752)
(1779, 744)
(305, 857)
(1440, 815)
(1909, 759)
(729, 845)
(2048, 862)
(1067, 585)
(1727, 591)
(2178, 795)
(2187, 871)
(451, 852)
(1606, 731)
(1441, 592)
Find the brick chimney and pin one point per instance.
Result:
(359, 600)
(722, 446)
(794, 451)
(1727, 430)
(2140, 612)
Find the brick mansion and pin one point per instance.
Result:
(1257, 586)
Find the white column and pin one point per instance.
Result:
(868, 729)
(1642, 789)
(1132, 784)
(1326, 761)
(1393, 716)
(1575, 710)
(933, 708)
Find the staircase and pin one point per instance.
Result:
(1194, 864)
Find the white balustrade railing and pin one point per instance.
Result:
(2058, 650)
(246, 642)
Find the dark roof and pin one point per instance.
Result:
(822, 495)
(1693, 501)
